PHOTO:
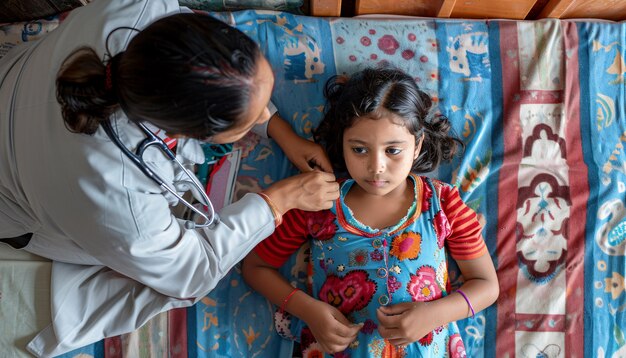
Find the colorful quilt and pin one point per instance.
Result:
(541, 107)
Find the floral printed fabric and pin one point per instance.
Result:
(357, 269)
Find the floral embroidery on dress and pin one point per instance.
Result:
(442, 275)
(310, 347)
(423, 285)
(313, 351)
(393, 284)
(282, 322)
(426, 340)
(456, 348)
(442, 228)
(392, 351)
(406, 246)
(426, 196)
(356, 268)
(321, 225)
(351, 293)
(358, 257)
(376, 255)
(369, 326)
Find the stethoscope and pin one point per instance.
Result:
(193, 184)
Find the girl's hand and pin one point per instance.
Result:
(310, 191)
(404, 323)
(330, 327)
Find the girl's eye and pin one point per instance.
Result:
(394, 151)
(359, 150)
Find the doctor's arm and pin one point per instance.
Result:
(144, 241)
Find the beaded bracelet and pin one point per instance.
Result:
(282, 307)
(278, 217)
(468, 302)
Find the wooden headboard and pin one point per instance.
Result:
(494, 9)
(24, 10)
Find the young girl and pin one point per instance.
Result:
(379, 275)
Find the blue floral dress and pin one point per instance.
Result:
(357, 269)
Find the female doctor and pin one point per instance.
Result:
(73, 183)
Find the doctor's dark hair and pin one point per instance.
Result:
(188, 74)
(376, 93)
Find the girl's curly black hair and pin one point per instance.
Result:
(372, 92)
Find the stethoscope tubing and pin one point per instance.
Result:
(137, 158)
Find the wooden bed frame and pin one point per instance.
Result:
(20, 10)
(495, 9)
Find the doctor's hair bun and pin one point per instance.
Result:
(82, 91)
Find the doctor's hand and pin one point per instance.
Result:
(330, 327)
(304, 154)
(308, 156)
(311, 191)
(405, 323)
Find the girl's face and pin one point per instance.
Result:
(379, 154)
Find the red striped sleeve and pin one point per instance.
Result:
(286, 239)
(465, 241)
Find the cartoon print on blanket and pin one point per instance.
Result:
(603, 76)
(617, 66)
(469, 55)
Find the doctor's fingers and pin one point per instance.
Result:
(327, 184)
(320, 177)
(329, 194)
(319, 182)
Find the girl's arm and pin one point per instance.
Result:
(405, 323)
(304, 154)
(329, 326)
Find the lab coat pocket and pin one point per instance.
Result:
(151, 214)
(136, 180)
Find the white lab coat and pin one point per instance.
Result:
(120, 256)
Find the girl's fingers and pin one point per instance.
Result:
(396, 309)
(345, 328)
(399, 342)
(390, 333)
(387, 321)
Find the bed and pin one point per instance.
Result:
(541, 107)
